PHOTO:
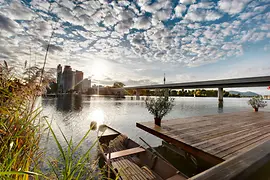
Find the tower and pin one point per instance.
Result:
(164, 80)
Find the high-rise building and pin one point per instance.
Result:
(73, 79)
(86, 84)
(78, 81)
(69, 80)
(68, 77)
(59, 79)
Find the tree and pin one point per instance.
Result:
(173, 93)
(118, 85)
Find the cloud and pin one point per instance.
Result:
(187, 2)
(247, 15)
(52, 48)
(110, 20)
(179, 10)
(131, 82)
(142, 22)
(202, 15)
(41, 4)
(124, 26)
(17, 11)
(163, 14)
(186, 33)
(7, 24)
(232, 6)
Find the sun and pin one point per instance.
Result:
(99, 69)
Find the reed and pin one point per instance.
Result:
(72, 163)
(19, 131)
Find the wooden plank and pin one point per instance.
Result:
(125, 152)
(195, 138)
(229, 144)
(247, 148)
(237, 148)
(214, 138)
(129, 170)
(156, 130)
(240, 167)
(229, 133)
(201, 132)
(176, 177)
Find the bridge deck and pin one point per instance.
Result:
(214, 138)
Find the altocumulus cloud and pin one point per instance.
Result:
(184, 33)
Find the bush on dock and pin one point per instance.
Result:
(159, 107)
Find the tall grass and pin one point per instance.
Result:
(19, 132)
(72, 164)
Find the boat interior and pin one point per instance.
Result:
(128, 160)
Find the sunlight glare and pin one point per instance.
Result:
(99, 69)
(98, 116)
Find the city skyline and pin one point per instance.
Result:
(137, 42)
(71, 80)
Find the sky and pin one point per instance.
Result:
(137, 41)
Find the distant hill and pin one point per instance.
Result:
(247, 94)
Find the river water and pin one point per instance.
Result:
(73, 114)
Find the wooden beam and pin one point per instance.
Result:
(239, 167)
(125, 152)
(213, 160)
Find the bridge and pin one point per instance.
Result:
(220, 84)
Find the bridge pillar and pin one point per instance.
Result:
(137, 94)
(220, 94)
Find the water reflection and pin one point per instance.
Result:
(220, 107)
(69, 102)
(74, 113)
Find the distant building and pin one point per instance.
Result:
(69, 80)
(78, 81)
(68, 77)
(59, 79)
(73, 80)
(86, 84)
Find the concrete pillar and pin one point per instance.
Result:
(137, 94)
(220, 94)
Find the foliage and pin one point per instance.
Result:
(160, 106)
(189, 93)
(19, 130)
(70, 165)
(118, 85)
(257, 102)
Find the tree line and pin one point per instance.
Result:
(191, 93)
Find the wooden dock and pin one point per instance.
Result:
(214, 138)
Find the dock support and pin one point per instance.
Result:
(220, 94)
(137, 94)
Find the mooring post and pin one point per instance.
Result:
(220, 94)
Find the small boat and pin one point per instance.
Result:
(127, 160)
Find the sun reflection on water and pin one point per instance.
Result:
(98, 116)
